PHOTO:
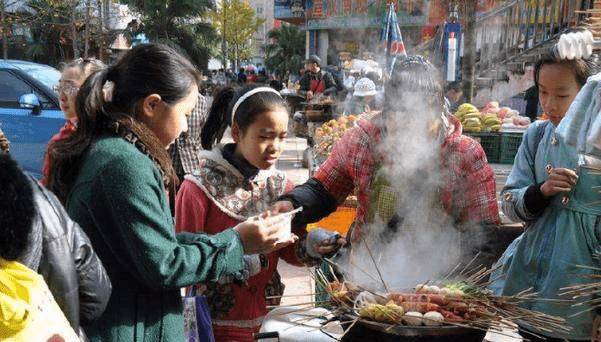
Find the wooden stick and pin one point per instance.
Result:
(375, 264)
(452, 271)
(350, 327)
(469, 263)
(298, 295)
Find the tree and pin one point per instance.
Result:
(285, 52)
(52, 29)
(236, 22)
(178, 23)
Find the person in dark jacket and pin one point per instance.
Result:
(242, 76)
(56, 248)
(315, 80)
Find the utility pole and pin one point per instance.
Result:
(86, 48)
(3, 28)
(100, 31)
(74, 29)
(469, 43)
(223, 41)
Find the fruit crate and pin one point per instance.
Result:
(491, 143)
(510, 143)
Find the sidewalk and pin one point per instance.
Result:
(297, 279)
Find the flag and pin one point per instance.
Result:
(392, 38)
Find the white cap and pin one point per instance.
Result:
(365, 87)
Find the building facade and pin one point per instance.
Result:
(264, 9)
(352, 27)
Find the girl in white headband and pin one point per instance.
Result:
(237, 181)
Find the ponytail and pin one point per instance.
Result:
(249, 102)
(219, 118)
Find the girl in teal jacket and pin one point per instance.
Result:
(550, 191)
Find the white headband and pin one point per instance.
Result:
(249, 94)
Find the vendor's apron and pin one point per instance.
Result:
(318, 86)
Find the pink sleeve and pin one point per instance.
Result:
(190, 208)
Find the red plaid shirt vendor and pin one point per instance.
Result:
(467, 193)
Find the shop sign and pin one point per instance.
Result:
(343, 23)
(286, 9)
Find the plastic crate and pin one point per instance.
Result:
(510, 143)
(491, 143)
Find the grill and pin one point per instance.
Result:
(378, 332)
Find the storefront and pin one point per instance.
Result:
(353, 26)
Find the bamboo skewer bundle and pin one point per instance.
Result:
(589, 292)
(498, 309)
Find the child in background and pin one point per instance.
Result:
(73, 75)
(542, 190)
(237, 181)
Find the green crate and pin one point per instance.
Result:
(510, 143)
(491, 143)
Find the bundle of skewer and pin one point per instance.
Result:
(587, 294)
(487, 311)
(476, 308)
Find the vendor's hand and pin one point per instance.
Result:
(321, 242)
(262, 236)
(309, 95)
(281, 207)
(560, 180)
(326, 248)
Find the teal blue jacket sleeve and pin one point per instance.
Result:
(522, 176)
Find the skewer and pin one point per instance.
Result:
(296, 304)
(297, 295)
(351, 326)
(469, 263)
(452, 271)
(375, 264)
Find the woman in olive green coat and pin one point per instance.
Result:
(115, 177)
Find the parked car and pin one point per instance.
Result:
(29, 110)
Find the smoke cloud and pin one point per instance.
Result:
(426, 245)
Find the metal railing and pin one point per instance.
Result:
(517, 30)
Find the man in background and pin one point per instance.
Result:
(184, 152)
(454, 93)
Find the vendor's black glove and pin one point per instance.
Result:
(321, 237)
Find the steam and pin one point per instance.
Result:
(427, 245)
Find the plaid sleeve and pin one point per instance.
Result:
(188, 145)
(480, 201)
(338, 172)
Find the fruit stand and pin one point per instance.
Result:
(499, 130)
(325, 137)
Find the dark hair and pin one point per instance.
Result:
(413, 76)
(582, 68)
(220, 114)
(17, 209)
(455, 86)
(277, 85)
(146, 69)
(86, 65)
(373, 76)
